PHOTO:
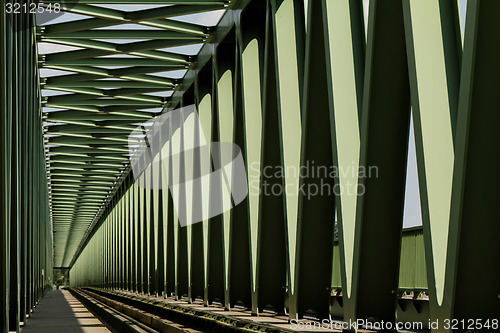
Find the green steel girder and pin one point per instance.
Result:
(96, 48)
(65, 179)
(62, 173)
(103, 102)
(176, 26)
(72, 210)
(171, 11)
(106, 149)
(86, 60)
(120, 109)
(143, 115)
(88, 92)
(116, 72)
(78, 115)
(145, 45)
(89, 206)
(94, 136)
(76, 78)
(87, 24)
(142, 15)
(96, 11)
(83, 166)
(65, 99)
(84, 179)
(79, 150)
(125, 34)
(81, 192)
(71, 129)
(113, 84)
(80, 183)
(58, 196)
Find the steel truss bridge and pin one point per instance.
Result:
(289, 82)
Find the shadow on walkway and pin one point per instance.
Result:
(60, 312)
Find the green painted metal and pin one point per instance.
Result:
(250, 36)
(434, 67)
(473, 234)
(288, 24)
(169, 24)
(383, 157)
(412, 267)
(313, 271)
(127, 34)
(224, 76)
(25, 223)
(239, 236)
(203, 96)
(110, 107)
(288, 91)
(345, 45)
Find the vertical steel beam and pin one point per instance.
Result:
(382, 173)
(199, 170)
(149, 223)
(118, 249)
(108, 253)
(251, 40)
(121, 247)
(17, 82)
(114, 244)
(25, 190)
(239, 249)
(165, 211)
(170, 220)
(190, 142)
(203, 93)
(473, 247)
(143, 254)
(160, 247)
(126, 235)
(5, 58)
(316, 209)
(225, 77)
(129, 226)
(288, 24)
(136, 237)
(345, 62)
(155, 202)
(215, 225)
(434, 51)
(175, 175)
(271, 257)
(181, 247)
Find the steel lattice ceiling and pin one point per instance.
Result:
(113, 74)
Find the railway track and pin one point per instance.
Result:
(127, 312)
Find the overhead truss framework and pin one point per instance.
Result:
(107, 81)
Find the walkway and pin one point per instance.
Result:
(60, 312)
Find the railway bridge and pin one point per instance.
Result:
(244, 165)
